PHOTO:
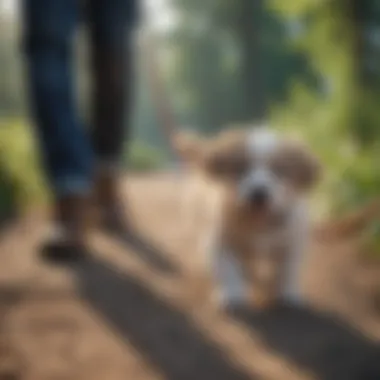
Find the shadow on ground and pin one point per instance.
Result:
(163, 335)
(133, 242)
(326, 346)
(147, 251)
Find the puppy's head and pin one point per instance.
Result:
(261, 170)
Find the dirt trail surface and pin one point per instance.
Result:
(143, 311)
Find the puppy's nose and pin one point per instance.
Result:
(259, 196)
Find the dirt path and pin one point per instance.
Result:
(143, 312)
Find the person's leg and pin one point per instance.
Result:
(112, 23)
(49, 27)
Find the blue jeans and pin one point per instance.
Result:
(70, 152)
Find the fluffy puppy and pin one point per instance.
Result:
(259, 238)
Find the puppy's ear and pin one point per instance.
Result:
(225, 157)
(226, 163)
(216, 163)
(305, 166)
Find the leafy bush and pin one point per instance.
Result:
(19, 163)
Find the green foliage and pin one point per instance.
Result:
(229, 61)
(11, 91)
(372, 240)
(342, 121)
(19, 163)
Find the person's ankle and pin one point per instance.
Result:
(112, 209)
(107, 186)
(67, 239)
(73, 215)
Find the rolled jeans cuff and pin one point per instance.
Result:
(72, 185)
